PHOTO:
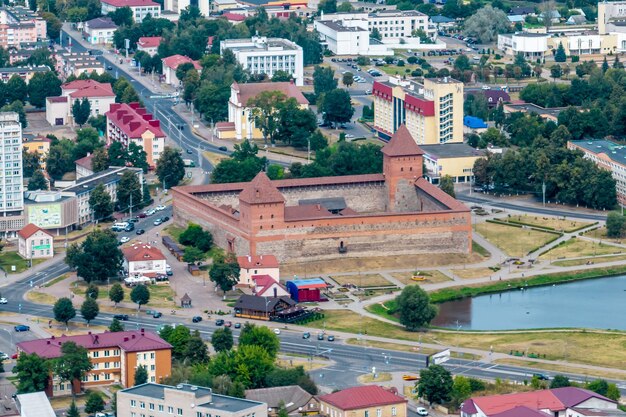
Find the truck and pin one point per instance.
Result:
(189, 163)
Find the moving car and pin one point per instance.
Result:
(140, 231)
(3, 300)
(219, 322)
(124, 239)
(196, 319)
(122, 317)
(157, 314)
(223, 148)
(541, 377)
(306, 335)
(331, 338)
(410, 377)
(237, 325)
(422, 411)
(21, 328)
(276, 331)
(320, 336)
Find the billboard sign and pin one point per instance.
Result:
(438, 358)
(45, 215)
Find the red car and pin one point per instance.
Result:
(228, 324)
(14, 356)
(142, 215)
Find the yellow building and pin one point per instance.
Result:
(453, 159)
(433, 111)
(39, 144)
(363, 401)
(241, 116)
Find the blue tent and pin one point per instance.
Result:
(474, 122)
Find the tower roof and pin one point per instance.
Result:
(402, 144)
(261, 191)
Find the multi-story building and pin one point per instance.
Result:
(369, 400)
(144, 259)
(128, 123)
(149, 44)
(99, 31)
(177, 6)
(346, 37)
(99, 95)
(11, 175)
(539, 45)
(531, 45)
(183, 400)
(19, 25)
(611, 17)
(25, 73)
(262, 55)
(140, 8)
(34, 242)
(115, 357)
(398, 23)
(608, 155)
(433, 111)
(39, 144)
(453, 159)
(77, 63)
(51, 210)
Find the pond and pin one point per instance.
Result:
(594, 303)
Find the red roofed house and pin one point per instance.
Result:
(363, 401)
(393, 213)
(115, 357)
(99, 95)
(140, 8)
(233, 18)
(171, 63)
(149, 44)
(128, 123)
(240, 113)
(84, 166)
(257, 265)
(560, 402)
(266, 286)
(35, 243)
(143, 259)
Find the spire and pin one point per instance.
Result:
(402, 144)
(261, 191)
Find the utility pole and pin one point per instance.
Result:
(543, 190)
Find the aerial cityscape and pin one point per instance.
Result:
(292, 208)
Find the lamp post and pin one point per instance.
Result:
(267, 302)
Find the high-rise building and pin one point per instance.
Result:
(20, 25)
(11, 174)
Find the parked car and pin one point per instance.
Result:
(157, 314)
(223, 148)
(196, 319)
(165, 218)
(129, 227)
(331, 338)
(21, 328)
(3, 356)
(150, 212)
(122, 317)
(237, 325)
(219, 322)
(189, 151)
(422, 411)
(228, 324)
(158, 222)
(142, 215)
(306, 335)
(320, 336)
(124, 239)
(168, 270)
(3, 300)
(140, 232)
(160, 208)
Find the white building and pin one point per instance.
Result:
(142, 259)
(178, 6)
(392, 24)
(611, 17)
(257, 265)
(11, 174)
(149, 44)
(99, 31)
(350, 37)
(170, 65)
(99, 95)
(140, 8)
(35, 242)
(531, 45)
(262, 55)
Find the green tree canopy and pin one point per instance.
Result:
(63, 310)
(81, 110)
(141, 375)
(337, 106)
(116, 293)
(129, 193)
(560, 381)
(100, 203)
(37, 181)
(73, 364)
(140, 295)
(42, 85)
(170, 167)
(97, 258)
(225, 272)
(414, 308)
(222, 339)
(435, 383)
(446, 183)
(259, 336)
(94, 403)
(33, 373)
(89, 309)
(116, 326)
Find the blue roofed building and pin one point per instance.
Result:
(303, 290)
(472, 124)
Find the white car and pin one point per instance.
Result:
(125, 239)
(150, 212)
(276, 331)
(160, 208)
(3, 356)
(422, 411)
(3, 300)
(486, 87)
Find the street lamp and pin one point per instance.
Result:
(267, 302)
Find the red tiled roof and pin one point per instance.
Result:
(494, 404)
(520, 411)
(29, 230)
(571, 396)
(85, 162)
(130, 3)
(149, 41)
(306, 211)
(251, 90)
(142, 252)
(134, 120)
(367, 396)
(257, 261)
(225, 126)
(265, 282)
(88, 88)
(261, 191)
(175, 60)
(129, 341)
(402, 144)
(233, 17)
(59, 99)
(440, 195)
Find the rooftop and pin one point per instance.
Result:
(88, 88)
(614, 151)
(35, 404)
(451, 150)
(85, 162)
(338, 26)
(396, 13)
(175, 60)
(360, 397)
(29, 230)
(309, 283)
(134, 120)
(251, 90)
(130, 3)
(257, 261)
(101, 23)
(21, 70)
(533, 108)
(402, 144)
(291, 396)
(108, 176)
(259, 43)
(142, 252)
(149, 41)
(253, 302)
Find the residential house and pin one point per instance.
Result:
(262, 308)
(99, 31)
(35, 243)
(555, 16)
(233, 18)
(19, 24)
(257, 265)
(368, 400)
(495, 97)
(296, 401)
(99, 95)
(170, 65)
(114, 355)
(140, 8)
(143, 259)
(576, 19)
(522, 10)
(77, 63)
(149, 44)
(84, 167)
(266, 286)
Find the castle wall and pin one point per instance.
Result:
(364, 198)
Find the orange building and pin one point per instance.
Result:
(115, 357)
(397, 212)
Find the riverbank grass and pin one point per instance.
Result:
(362, 280)
(471, 273)
(596, 260)
(547, 222)
(575, 248)
(514, 241)
(431, 276)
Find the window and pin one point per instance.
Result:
(96, 354)
(394, 412)
(161, 407)
(367, 413)
(151, 406)
(170, 410)
(133, 403)
(152, 355)
(379, 412)
(107, 353)
(180, 412)
(142, 404)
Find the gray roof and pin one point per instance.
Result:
(611, 149)
(451, 150)
(339, 27)
(292, 396)
(19, 70)
(533, 108)
(108, 176)
(331, 204)
(101, 23)
(253, 302)
(35, 404)
(441, 19)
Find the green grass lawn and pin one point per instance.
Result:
(9, 259)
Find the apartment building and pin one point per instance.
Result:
(11, 175)
(183, 400)
(262, 55)
(128, 123)
(177, 6)
(369, 400)
(398, 23)
(77, 63)
(433, 111)
(25, 73)
(115, 357)
(539, 45)
(99, 95)
(140, 8)
(346, 37)
(611, 17)
(608, 155)
(19, 25)
(99, 31)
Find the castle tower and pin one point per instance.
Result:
(261, 205)
(402, 162)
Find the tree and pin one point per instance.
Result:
(81, 110)
(100, 160)
(486, 23)
(560, 56)
(30, 162)
(615, 225)
(72, 411)
(560, 381)
(33, 373)
(193, 255)
(414, 308)
(599, 386)
(89, 309)
(548, 9)
(222, 339)
(141, 375)
(53, 25)
(461, 390)
(613, 392)
(264, 106)
(137, 157)
(323, 80)
(16, 89)
(100, 203)
(64, 311)
(446, 183)
(605, 65)
(376, 34)
(73, 363)
(225, 272)
(259, 336)
(435, 383)
(140, 295)
(295, 124)
(122, 16)
(37, 181)
(196, 351)
(328, 6)
(347, 79)
(462, 63)
(94, 403)
(97, 258)
(42, 85)
(116, 293)
(556, 71)
(170, 167)
(281, 76)
(128, 191)
(337, 106)
(116, 326)
(117, 154)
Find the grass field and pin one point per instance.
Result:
(161, 296)
(173, 231)
(562, 368)
(362, 280)
(471, 273)
(575, 248)
(10, 259)
(40, 297)
(288, 361)
(369, 378)
(595, 260)
(431, 276)
(579, 346)
(600, 233)
(514, 241)
(548, 222)
(214, 158)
